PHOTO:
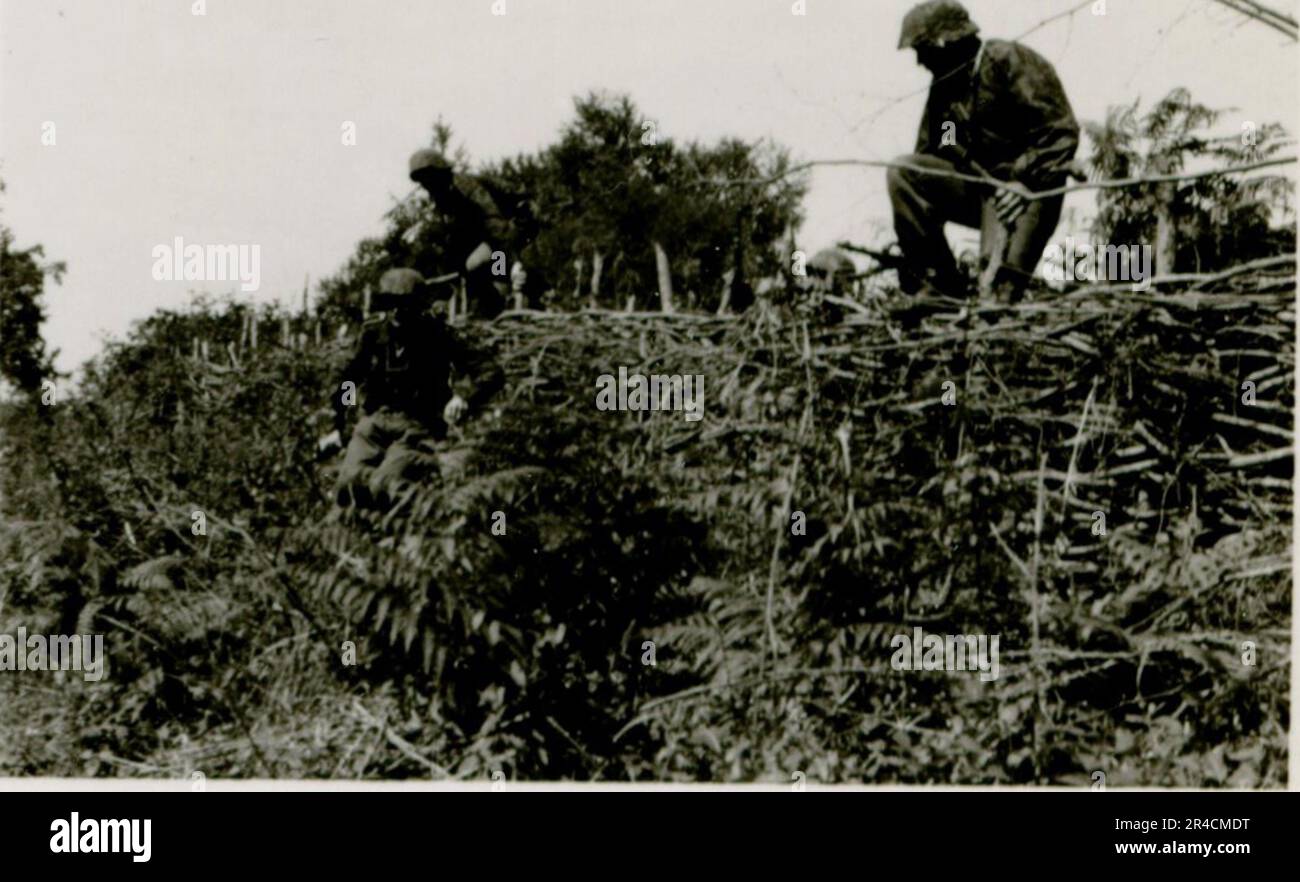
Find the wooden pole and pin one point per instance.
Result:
(597, 269)
(665, 277)
(578, 264)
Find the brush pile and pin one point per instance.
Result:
(1102, 478)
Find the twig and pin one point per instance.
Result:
(1015, 558)
(1068, 488)
(1264, 15)
(1034, 600)
(1242, 422)
(1254, 459)
(1118, 183)
(696, 691)
(407, 749)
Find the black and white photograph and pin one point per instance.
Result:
(790, 395)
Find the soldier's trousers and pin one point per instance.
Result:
(384, 447)
(923, 203)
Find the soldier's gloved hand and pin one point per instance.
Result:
(454, 410)
(329, 443)
(1011, 203)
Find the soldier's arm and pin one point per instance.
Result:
(472, 227)
(475, 374)
(479, 259)
(351, 372)
(1051, 130)
(505, 201)
(923, 144)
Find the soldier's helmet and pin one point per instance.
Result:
(831, 270)
(936, 22)
(427, 160)
(397, 285)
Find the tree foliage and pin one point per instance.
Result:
(24, 361)
(612, 185)
(1214, 221)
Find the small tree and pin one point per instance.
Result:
(610, 212)
(1201, 225)
(24, 361)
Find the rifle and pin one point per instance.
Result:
(433, 283)
(885, 260)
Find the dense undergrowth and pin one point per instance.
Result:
(630, 538)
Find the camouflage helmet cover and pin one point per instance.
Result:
(831, 262)
(427, 160)
(400, 283)
(936, 21)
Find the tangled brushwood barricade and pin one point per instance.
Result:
(1101, 479)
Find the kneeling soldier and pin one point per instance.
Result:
(413, 378)
(996, 109)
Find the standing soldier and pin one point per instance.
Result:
(472, 236)
(413, 377)
(997, 109)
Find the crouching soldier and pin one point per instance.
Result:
(829, 274)
(412, 377)
(996, 109)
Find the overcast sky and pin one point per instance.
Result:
(225, 128)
